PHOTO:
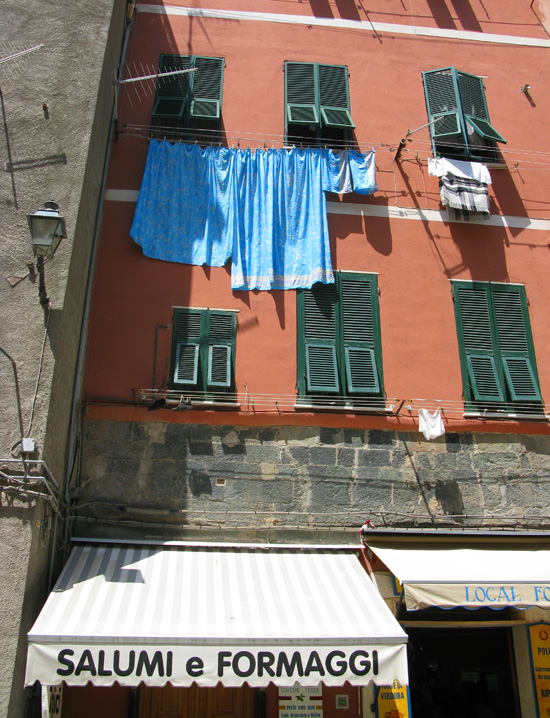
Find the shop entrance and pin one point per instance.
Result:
(459, 672)
(195, 702)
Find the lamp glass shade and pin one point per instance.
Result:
(47, 228)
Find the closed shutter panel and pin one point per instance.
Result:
(334, 96)
(442, 103)
(474, 106)
(221, 336)
(320, 308)
(360, 331)
(186, 342)
(512, 321)
(477, 342)
(172, 91)
(301, 103)
(207, 88)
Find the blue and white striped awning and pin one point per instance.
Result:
(153, 614)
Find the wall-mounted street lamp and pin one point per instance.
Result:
(47, 228)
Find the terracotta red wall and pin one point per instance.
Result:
(414, 259)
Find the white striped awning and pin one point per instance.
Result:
(474, 576)
(180, 614)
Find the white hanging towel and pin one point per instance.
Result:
(431, 425)
(441, 166)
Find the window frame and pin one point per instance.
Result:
(464, 88)
(200, 96)
(336, 342)
(327, 100)
(209, 375)
(494, 333)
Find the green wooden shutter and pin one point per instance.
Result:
(442, 103)
(515, 342)
(474, 106)
(172, 91)
(186, 340)
(207, 87)
(320, 312)
(300, 93)
(221, 342)
(334, 96)
(360, 331)
(482, 373)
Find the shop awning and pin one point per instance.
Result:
(181, 614)
(473, 577)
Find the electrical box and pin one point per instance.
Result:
(28, 446)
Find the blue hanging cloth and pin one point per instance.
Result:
(265, 209)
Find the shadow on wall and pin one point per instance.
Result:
(462, 8)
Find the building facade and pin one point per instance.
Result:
(319, 303)
(56, 97)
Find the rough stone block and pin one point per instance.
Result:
(373, 457)
(322, 455)
(299, 454)
(346, 457)
(381, 438)
(331, 436)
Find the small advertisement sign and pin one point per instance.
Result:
(51, 701)
(393, 701)
(539, 640)
(301, 702)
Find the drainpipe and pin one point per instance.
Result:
(71, 453)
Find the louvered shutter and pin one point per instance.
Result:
(474, 106)
(360, 333)
(301, 101)
(172, 91)
(186, 343)
(221, 335)
(442, 103)
(207, 88)
(477, 341)
(334, 96)
(320, 312)
(515, 343)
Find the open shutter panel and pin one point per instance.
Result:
(187, 333)
(442, 103)
(512, 320)
(359, 311)
(207, 87)
(172, 91)
(474, 105)
(476, 338)
(320, 304)
(301, 104)
(334, 96)
(220, 349)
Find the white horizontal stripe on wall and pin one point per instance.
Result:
(386, 211)
(362, 25)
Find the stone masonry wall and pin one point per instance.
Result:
(226, 476)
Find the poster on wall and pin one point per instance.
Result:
(51, 701)
(539, 641)
(301, 701)
(393, 701)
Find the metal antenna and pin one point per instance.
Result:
(146, 78)
(13, 60)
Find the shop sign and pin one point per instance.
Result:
(476, 595)
(301, 702)
(51, 701)
(393, 701)
(209, 665)
(539, 639)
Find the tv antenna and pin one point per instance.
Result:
(13, 59)
(145, 79)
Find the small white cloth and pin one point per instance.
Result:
(431, 425)
(441, 166)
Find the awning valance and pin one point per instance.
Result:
(473, 577)
(158, 614)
